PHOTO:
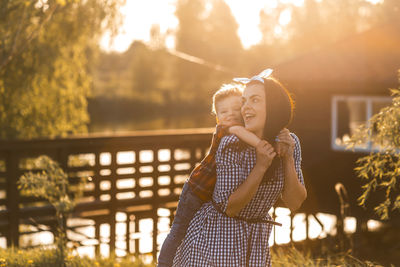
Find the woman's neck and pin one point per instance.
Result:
(259, 134)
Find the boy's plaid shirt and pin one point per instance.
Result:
(203, 177)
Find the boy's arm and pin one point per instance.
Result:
(244, 135)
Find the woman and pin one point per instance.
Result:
(233, 230)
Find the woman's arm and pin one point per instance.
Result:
(245, 135)
(294, 192)
(246, 191)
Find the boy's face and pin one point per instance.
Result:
(228, 110)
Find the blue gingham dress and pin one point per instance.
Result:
(214, 239)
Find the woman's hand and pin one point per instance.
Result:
(285, 144)
(265, 154)
(246, 191)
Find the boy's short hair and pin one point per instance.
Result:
(226, 90)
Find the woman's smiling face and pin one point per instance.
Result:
(254, 108)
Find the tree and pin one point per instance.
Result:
(320, 23)
(44, 64)
(147, 69)
(380, 170)
(390, 10)
(315, 24)
(222, 42)
(209, 34)
(190, 39)
(223, 45)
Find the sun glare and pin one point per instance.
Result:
(285, 17)
(375, 2)
(294, 2)
(139, 16)
(271, 4)
(247, 16)
(278, 30)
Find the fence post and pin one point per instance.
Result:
(12, 199)
(113, 201)
(156, 202)
(291, 226)
(307, 227)
(137, 230)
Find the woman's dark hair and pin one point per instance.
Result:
(279, 111)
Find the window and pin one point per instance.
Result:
(349, 112)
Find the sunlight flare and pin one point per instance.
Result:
(375, 2)
(285, 17)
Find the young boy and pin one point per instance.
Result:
(198, 189)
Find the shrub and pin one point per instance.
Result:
(53, 185)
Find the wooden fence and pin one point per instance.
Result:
(135, 175)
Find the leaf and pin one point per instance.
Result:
(383, 209)
(396, 203)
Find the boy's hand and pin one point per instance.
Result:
(265, 154)
(285, 144)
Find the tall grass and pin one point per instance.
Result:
(290, 256)
(42, 257)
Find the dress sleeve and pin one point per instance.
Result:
(230, 171)
(297, 158)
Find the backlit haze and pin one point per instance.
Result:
(141, 15)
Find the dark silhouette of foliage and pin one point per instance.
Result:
(380, 169)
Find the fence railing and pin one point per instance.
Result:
(132, 178)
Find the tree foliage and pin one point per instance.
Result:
(44, 56)
(313, 25)
(150, 74)
(210, 34)
(47, 49)
(380, 170)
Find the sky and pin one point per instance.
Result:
(140, 15)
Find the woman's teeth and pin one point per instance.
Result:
(248, 116)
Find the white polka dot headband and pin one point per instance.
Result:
(260, 77)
